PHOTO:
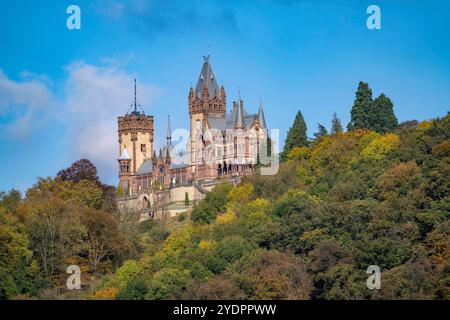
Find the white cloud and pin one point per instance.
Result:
(24, 104)
(95, 96)
(92, 99)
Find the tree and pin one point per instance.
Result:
(336, 126)
(383, 117)
(80, 170)
(186, 199)
(215, 202)
(321, 132)
(216, 288)
(136, 289)
(104, 237)
(361, 108)
(11, 200)
(273, 275)
(55, 233)
(226, 252)
(296, 136)
(377, 115)
(168, 283)
(17, 266)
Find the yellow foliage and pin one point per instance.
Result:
(105, 294)
(303, 175)
(259, 204)
(178, 240)
(241, 193)
(380, 146)
(299, 153)
(225, 218)
(339, 151)
(207, 244)
(424, 125)
(314, 236)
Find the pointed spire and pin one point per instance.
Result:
(206, 79)
(169, 133)
(160, 154)
(239, 118)
(261, 118)
(154, 159)
(135, 104)
(124, 155)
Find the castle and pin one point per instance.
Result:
(220, 144)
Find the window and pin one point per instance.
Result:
(143, 148)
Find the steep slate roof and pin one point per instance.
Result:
(261, 118)
(228, 122)
(239, 118)
(146, 167)
(206, 77)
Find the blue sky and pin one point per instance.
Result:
(61, 90)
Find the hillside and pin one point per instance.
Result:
(348, 201)
(342, 203)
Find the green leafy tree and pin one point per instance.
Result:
(17, 266)
(296, 136)
(168, 283)
(11, 200)
(136, 289)
(103, 237)
(215, 202)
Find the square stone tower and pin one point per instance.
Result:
(135, 132)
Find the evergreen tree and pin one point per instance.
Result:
(296, 136)
(383, 117)
(186, 199)
(321, 131)
(360, 114)
(336, 126)
(377, 115)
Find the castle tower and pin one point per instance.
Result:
(207, 100)
(135, 131)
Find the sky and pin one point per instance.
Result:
(62, 90)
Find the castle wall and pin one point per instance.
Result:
(177, 194)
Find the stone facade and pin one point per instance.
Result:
(220, 145)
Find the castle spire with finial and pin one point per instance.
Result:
(169, 133)
(135, 97)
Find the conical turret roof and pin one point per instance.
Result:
(206, 79)
(124, 155)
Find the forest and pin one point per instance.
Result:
(376, 194)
